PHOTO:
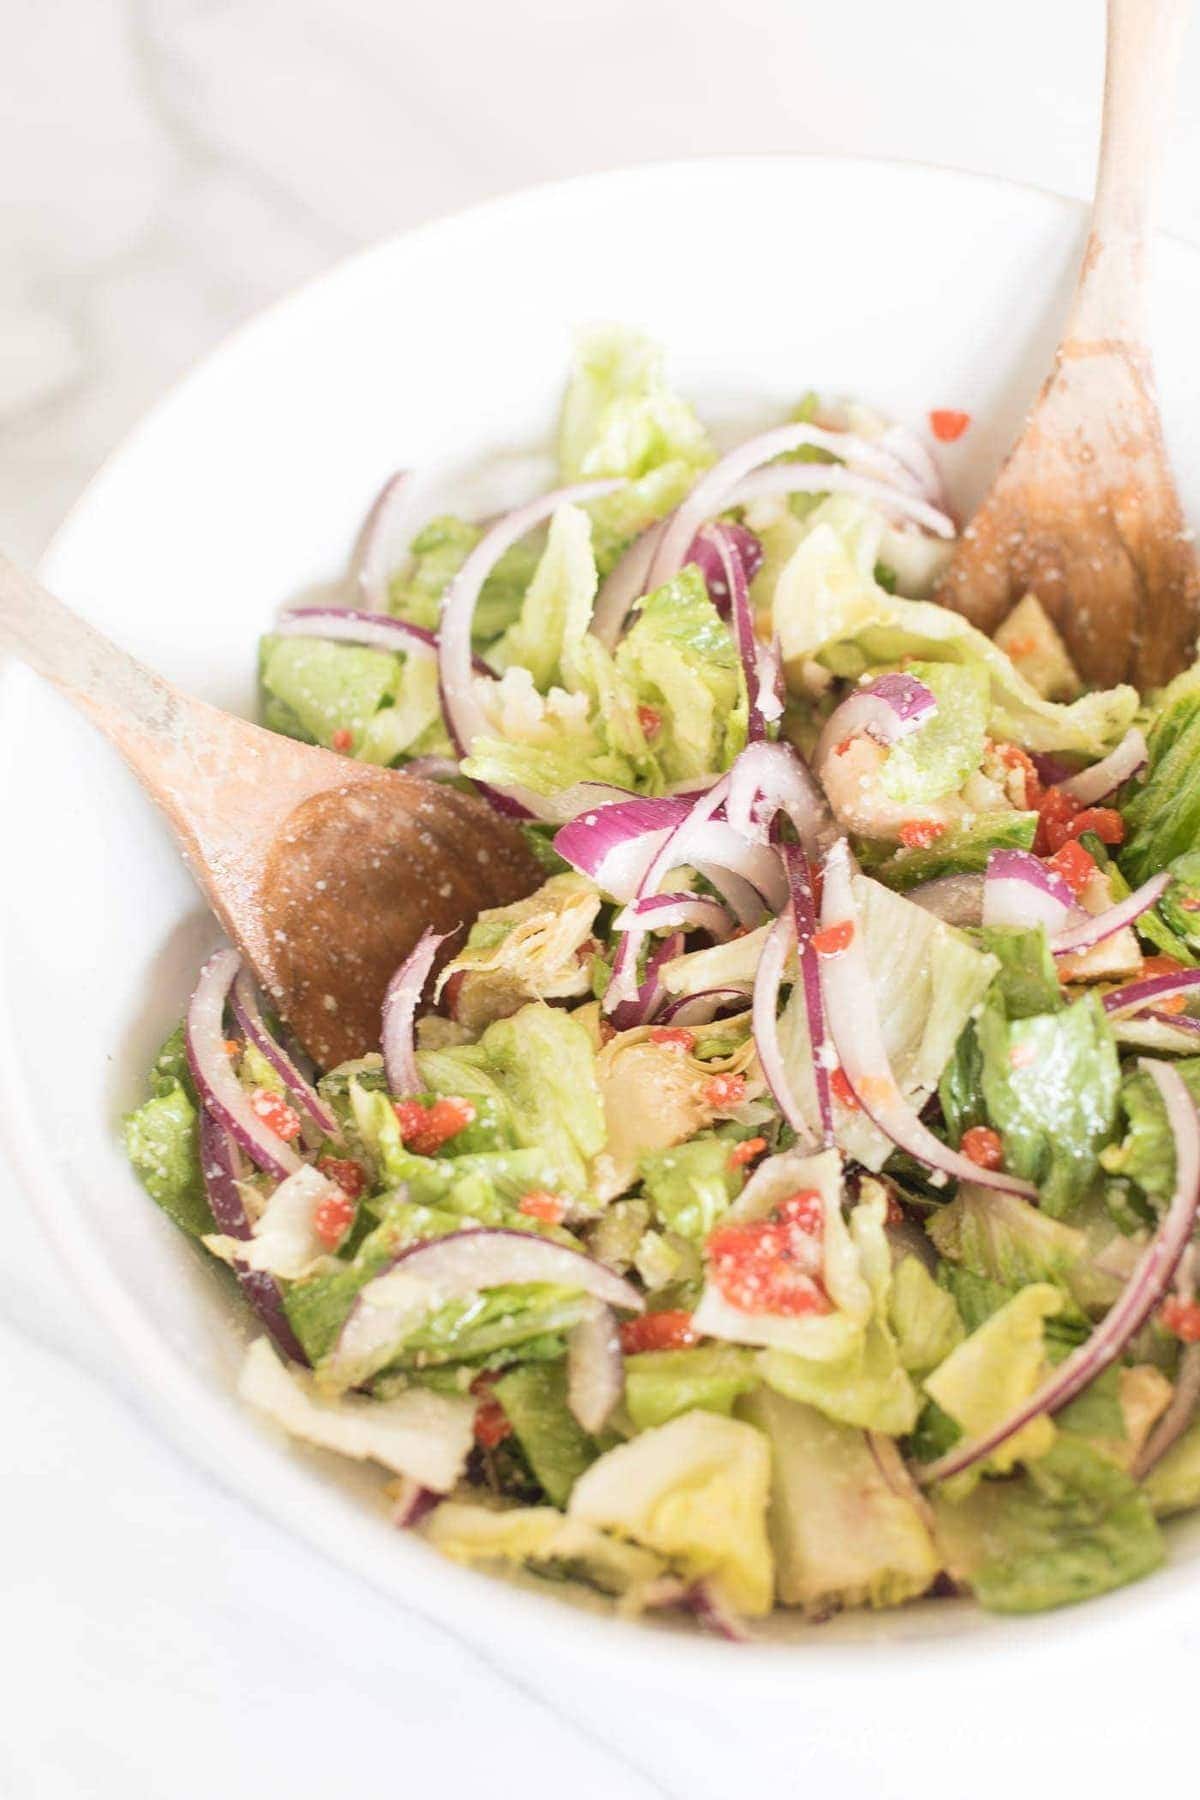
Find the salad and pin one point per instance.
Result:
(792, 1202)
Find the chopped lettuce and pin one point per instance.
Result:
(924, 1319)
(1027, 982)
(1179, 907)
(827, 606)
(1050, 1086)
(928, 980)
(842, 1530)
(661, 1384)
(1005, 1240)
(542, 1539)
(621, 418)
(1162, 810)
(162, 1142)
(313, 688)
(437, 553)
(694, 1490)
(679, 659)
(962, 850)
(936, 758)
(542, 1060)
(558, 1450)
(995, 1370)
(691, 1185)
(1145, 1153)
(1069, 1528)
(557, 608)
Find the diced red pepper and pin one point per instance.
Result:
(540, 1205)
(1181, 1318)
(839, 1083)
(1055, 813)
(1013, 757)
(834, 939)
(724, 1092)
(350, 1176)
(773, 1265)
(491, 1424)
(1104, 822)
(673, 1037)
(1075, 866)
(276, 1114)
(333, 1217)
(650, 721)
(919, 834)
(341, 739)
(746, 1152)
(948, 426)
(982, 1145)
(425, 1129)
(658, 1331)
(232, 1047)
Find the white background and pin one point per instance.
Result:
(166, 168)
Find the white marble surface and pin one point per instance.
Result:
(167, 167)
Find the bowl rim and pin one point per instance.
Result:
(207, 1427)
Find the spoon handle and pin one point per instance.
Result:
(1144, 41)
(114, 688)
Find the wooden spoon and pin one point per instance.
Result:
(322, 870)
(1084, 513)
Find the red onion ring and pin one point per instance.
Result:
(904, 444)
(380, 631)
(746, 551)
(372, 559)
(829, 478)
(244, 1003)
(400, 1004)
(719, 546)
(413, 1503)
(888, 709)
(858, 1037)
(767, 779)
(703, 1007)
(1020, 890)
(1141, 1294)
(624, 584)
(691, 911)
(1138, 994)
(710, 494)
(614, 845)
(765, 1026)
(1104, 778)
(674, 852)
(595, 1368)
(220, 1166)
(217, 1085)
(804, 914)
(1095, 928)
(651, 994)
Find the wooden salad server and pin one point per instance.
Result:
(323, 871)
(1084, 512)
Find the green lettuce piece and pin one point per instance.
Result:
(924, 1319)
(827, 605)
(1173, 1484)
(542, 1060)
(489, 1325)
(963, 850)
(548, 768)
(995, 1370)
(691, 1186)
(1145, 1152)
(1027, 982)
(1071, 1527)
(936, 758)
(412, 724)
(1162, 812)
(928, 981)
(162, 1142)
(558, 1450)
(1005, 1240)
(541, 1539)
(437, 553)
(976, 1297)
(557, 607)
(679, 658)
(1180, 906)
(313, 688)
(695, 1491)
(661, 1384)
(621, 418)
(1050, 1087)
(842, 1531)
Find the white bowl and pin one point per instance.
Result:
(909, 287)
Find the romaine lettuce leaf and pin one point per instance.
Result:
(322, 688)
(694, 1490)
(679, 658)
(992, 1372)
(162, 1142)
(924, 1319)
(1173, 1484)
(842, 1530)
(542, 1060)
(963, 850)
(661, 1384)
(557, 608)
(1069, 1528)
(1162, 809)
(1145, 1152)
(436, 555)
(542, 1539)
(558, 1450)
(936, 758)
(1006, 1240)
(691, 1185)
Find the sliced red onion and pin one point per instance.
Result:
(718, 546)
(717, 844)
(886, 710)
(245, 1006)
(854, 1023)
(595, 1369)
(1095, 928)
(711, 1612)
(219, 1088)
(455, 1267)
(614, 845)
(221, 1168)
(1020, 890)
(711, 493)
(651, 994)
(904, 444)
(957, 899)
(690, 911)
(742, 898)
(1141, 1294)
(804, 913)
(350, 626)
(1052, 770)
(703, 1007)
(1103, 778)
(767, 779)
(464, 715)
(765, 1026)
(400, 1004)
(1138, 994)
(1175, 1021)
(412, 1503)
(674, 852)
(383, 531)
(1181, 1410)
(772, 692)
(624, 584)
(746, 551)
(829, 478)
